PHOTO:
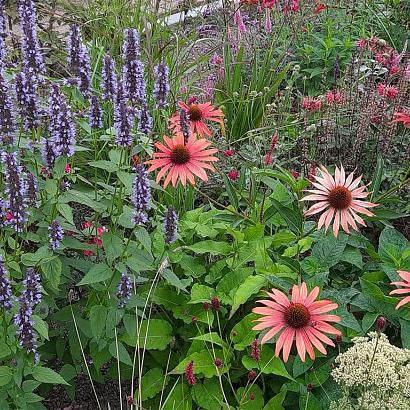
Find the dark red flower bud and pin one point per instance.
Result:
(206, 306)
(216, 305)
(252, 375)
(218, 362)
(130, 400)
(252, 396)
(229, 153)
(255, 351)
(380, 323)
(339, 339)
(309, 387)
(189, 373)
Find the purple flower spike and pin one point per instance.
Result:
(32, 189)
(56, 234)
(33, 61)
(26, 93)
(16, 190)
(63, 132)
(5, 287)
(47, 153)
(124, 290)
(3, 34)
(144, 120)
(109, 79)
(161, 86)
(141, 195)
(7, 118)
(95, 114)
(122, 119)
(25, 332)
(32, 287)
(171, 225)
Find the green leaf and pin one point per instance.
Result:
(377, 178)
(329, 250)
(152, 383)
(52, 270)
(244, 396)
(212, 338)
(212, 247)
(192, 266)
(300, 367)
(66, 211)
(41, 326)
(179, 398)
(208, 394)
(275, 403)
(242, 334)
(249, 287)
(98, 318)
(46, 375)
(6, 375)
(291, 214)
(392, 246)
(405, 333)
(173, 280)
(122, 353)
(97, 273)
(201, 293)
(308, 401)
(113, 246)
(103, 164)
(353, 256)
(85, 199)
(4, 349)
(233, 198)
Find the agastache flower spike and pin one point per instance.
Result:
(95, 114)
(74, 48)
(32, 287)
(25, 332)
(109, 81)
(171, 225)
(16, 190)
(63, 134)
(47, 153)
(161, 86)
(33, 61)
(5, 287)
(32, 189)
(122, 119)
(7, 119)
(124, 290)
(141, 195)
(144, 120)
(56, 235)
(3, 34)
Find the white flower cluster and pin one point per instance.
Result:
(387, 384)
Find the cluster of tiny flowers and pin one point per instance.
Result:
(33, 61)
(189, 374)
(144, 120)
(5, 287)
(109, 79)
(122, 119)
(161, 86)
(133, 69)
(124, 290)
(388, 378)
(95, 114)
(63, 130)
(171, 225)
(79, 60)
(32, 189)
(56, 234)
(27, 99)
(3, 51)
(32, 287)
(3, 213)
(16, 190)
(25, 332)
(47, 153)
(141, 195)
(7, 119)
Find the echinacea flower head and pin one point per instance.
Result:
(197, 114)
(182, 161)
(302, 318)
(340, 199)
(405, 288)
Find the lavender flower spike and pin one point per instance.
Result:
(32, 287)
(16, 190)
(7, 118)
(109, 79)
(74, 49)
(124, 290)
(141, 195)
(5, 287)
(32, 189)
(56, 235)
(161, 86)
(171, 225)
(33, 61)
(95, 113)
(25, 332)
(144, 120)
(63, 134)
(26, 93)
(3, 50)
(47, 153)
(122, 119)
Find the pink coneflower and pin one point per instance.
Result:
(197, 114)
(340, 199)
(302, 318)
(182, 161)
(233, 174)
(404, 289)
(403, 117)
(389, 91)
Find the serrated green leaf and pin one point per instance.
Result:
(46, 375)
(212, 247)
(97, 273)
(98, 318)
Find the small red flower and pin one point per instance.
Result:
(206, 306)
(362, 43)
(101, 230)
(97, 241)
(394, 70)
(88, 252)
(252, 375)
(69, 233)
(216, 59)
(233, 174)
(294, 173)
(403, 117)
(9, 216)
(311, 104)
(334, 97)
(135, 159)
(252, 396)
(216, 305)
(319, 8)
(389, 91)
(312, 172)
(218, 362)
(380, 323)
(268, 158)
(67, 169)
(229, 153)
(87, 224)
(192, 99)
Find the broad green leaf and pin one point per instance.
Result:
(275, 403)
(41, 326)
(212, 338)
(208, 394)
(113, 246)
(307, 401)
(102, 164)
(250, 398)
(405, 333)
(319, 375)
(201, 293)
(192, 266)
(46, 375)
(4, 349)
(353, 256)
(66, 211)
(6, 375)
(212, 247)
(97, 273)
(300, 367)
(291, 214)
(85, 199)
(122, 353)
(392, 246)
(152, 383)
(52, 269)
(179, 398)
(98, 318)
(242, 334)
(329, 250)
(173, 280)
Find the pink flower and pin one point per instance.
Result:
(362, 43)
(302, 318)
(389, 91)
(294, 173)
(229, 153)
(334, 97)
(404, 289)
(233, 174)
(319, 8)
(189, 373)
(403, 117)
(268, 158)
(67, 169)
(87, 224)
(9, 216)
(216, 59)
(88, 253)
(311, 104)
(268, 21)
(101, 230)
(312, 172)
(192, 99)
(394, 70)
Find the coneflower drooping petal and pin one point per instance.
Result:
(95, 113)
(47, 153)
(5, 287)
(141, 195)
(7, 118)
(32, 287)
(161, 85)
(27, 99)
(63, 134)
(144, 120)
(56, 234)
(124, 290)
(32, 189)
(171, 225)
(16, 190)
(3, 50)
(23, 320)
(33, 61)
(109, 81)
(122, 119)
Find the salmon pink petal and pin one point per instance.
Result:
(322, 306)
(322, 337)
(322, 219)
(280, 298)
(349, 180)
(287, 345)
(295, 294)
(281, 340)
(326, 318)
(336, 224)
(163, 171)
(405, 275)
(303, 293)
(300, 344)
(272, 332)
(355, 183)
(329, 218)
(272, 305)
(319, 207)
(343, 220)
(358, 208)
(403, 302)
(314, 293)
(314, 197)
(308, 344)
(315, 341)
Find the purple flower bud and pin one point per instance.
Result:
(95, 114)
(171, 225)
(74, 48)
(7, 120)
(25, 332)
(33, 61)
(27, 99)
(144, 120)
(32, 189)
(141, 195)
(185, 125)
(5, 287)
(16, 190)
(3, 34)
(32, 287)
(122, 119)
(124, 290)
(56, 234)
(3, 213)
(63, 130)
(109, 79)
(161, 86)
(47, 153)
